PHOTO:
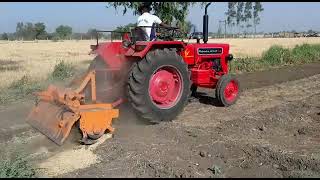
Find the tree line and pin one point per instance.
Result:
(37, 31)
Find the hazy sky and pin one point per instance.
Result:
(277, 16)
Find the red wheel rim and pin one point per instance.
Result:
(231, 91)
(165, 87)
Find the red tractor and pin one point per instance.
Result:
(157, 77)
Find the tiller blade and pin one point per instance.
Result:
(53, 121)
(58, 109)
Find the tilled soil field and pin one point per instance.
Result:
(272, 131)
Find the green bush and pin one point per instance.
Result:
(20, 89)
(276, 55)
(246, 65)
(306, 53)
(25, 86)
(62, 71)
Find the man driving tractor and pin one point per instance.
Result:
(147, 19)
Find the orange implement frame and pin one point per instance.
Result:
(58, 109)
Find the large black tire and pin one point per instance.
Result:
(221, 85)
(138, 85)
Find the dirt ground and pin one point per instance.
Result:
(272, 131)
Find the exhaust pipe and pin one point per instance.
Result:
(205, 25)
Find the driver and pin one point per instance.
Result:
(147, 19)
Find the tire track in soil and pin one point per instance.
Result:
(285, 138)
(199, 114)
(250, 101)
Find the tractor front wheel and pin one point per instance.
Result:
(159, 86)
(227, 90)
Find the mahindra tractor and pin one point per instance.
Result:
(155, 77)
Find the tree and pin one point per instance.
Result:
(167, 11)
(231, 13)
(187, 27)
(63, 32)
(248, 14)
(29, 32)
(125, 28)
(40, 30)
(177, 12)
(242, 12)
(25, 31)
(19, 30)
(239, 13)
(91, 34)
(257, 8)
(4, 36)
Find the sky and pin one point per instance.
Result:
(277, 16)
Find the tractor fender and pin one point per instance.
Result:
(113, 54)
(141, 48)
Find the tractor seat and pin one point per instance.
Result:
(139, 34)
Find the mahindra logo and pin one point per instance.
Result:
(209, 50)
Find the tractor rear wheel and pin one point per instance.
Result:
(159, 86)
(227, 90)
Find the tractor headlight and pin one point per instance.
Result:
(229, 57)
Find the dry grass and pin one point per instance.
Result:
(37, 60)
